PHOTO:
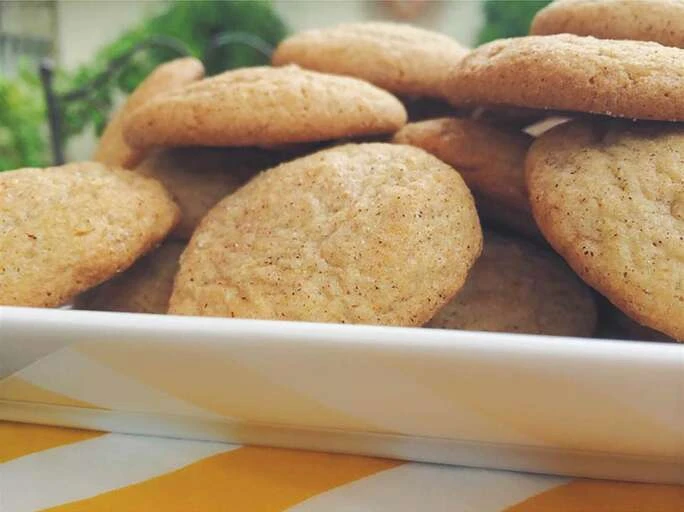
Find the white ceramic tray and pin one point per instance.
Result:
(595, 408)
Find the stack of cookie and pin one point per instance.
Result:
(607, 193)
(299, 191)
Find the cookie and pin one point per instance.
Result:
(263, 106)
(520, 288)
(143, 288)
(633, 79)
(361, 233)
(198, 178)
(66, 229)
(609, 197)
(112, 149)
(491, 161)
(643, 20)
(403, 59)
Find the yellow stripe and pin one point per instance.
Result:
(598, 496)
(18, 389)
(19, 439)
(251, 479)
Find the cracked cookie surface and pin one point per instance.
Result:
(632, 79)
(360, 233)
(609, 197)
(66, 229)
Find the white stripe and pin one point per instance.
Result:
(77, 376)
(88, 468)
(435, 488)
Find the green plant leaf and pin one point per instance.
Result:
(508, 18)
(23, 120)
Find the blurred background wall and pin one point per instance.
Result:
(28, 30)
(73, 30)
(85, 25)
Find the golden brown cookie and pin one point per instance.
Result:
(265, 106)
(198, 178)
(400, 58)
(361, 233)
(66, 229)
(491, 161)
(633, 79)
(661, 21)
(609, 197)
(112, 149)
(143, 288)
(517, 287)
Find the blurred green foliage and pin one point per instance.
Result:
(195, 24)
(23, 139)
(508, 18)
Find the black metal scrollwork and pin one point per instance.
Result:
(54, 100)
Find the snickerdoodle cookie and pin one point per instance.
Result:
(609, 197)
(360, 233)
(403, 59)
(632, 79)
(264, 106)
(66, 229)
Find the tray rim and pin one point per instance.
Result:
(154, 328)
(333, 333)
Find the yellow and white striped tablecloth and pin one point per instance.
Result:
(49, 468)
